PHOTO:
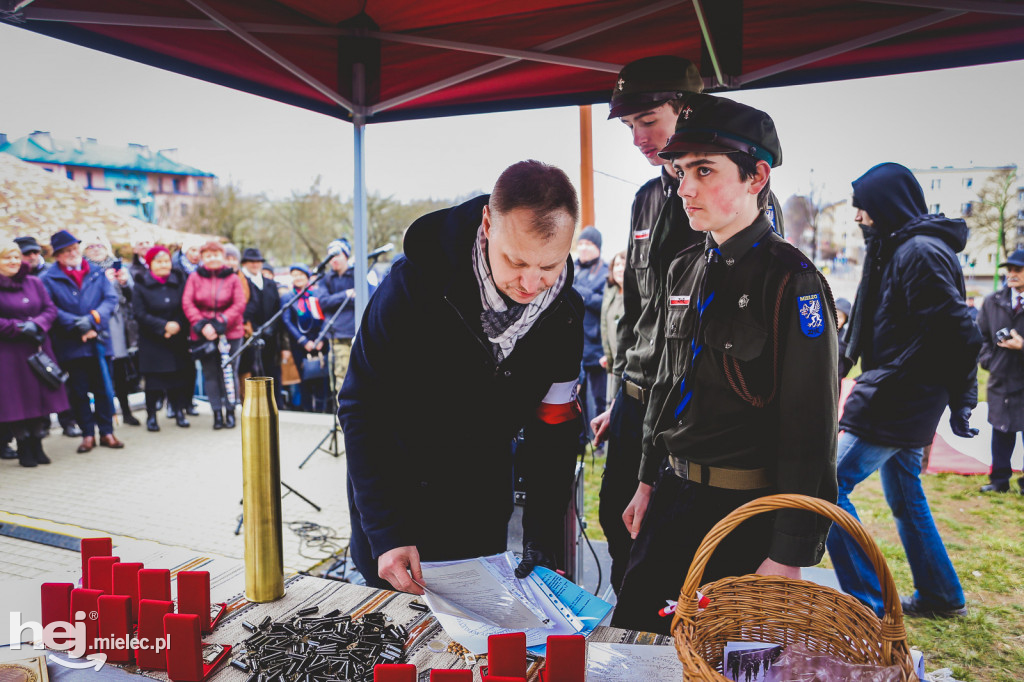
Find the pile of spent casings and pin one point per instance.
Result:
(328, 648)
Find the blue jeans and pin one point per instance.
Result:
(935, 580)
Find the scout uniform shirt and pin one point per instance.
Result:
(747, 380)
(658, 226)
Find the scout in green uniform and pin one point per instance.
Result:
(745, 401)
(647, 97)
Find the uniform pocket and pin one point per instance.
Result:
(738, 340)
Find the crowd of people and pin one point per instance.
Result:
(81, 334)
(707, 355)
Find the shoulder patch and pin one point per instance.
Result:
(792, 257)
(812, 323)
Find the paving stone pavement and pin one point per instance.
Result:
(178, 487)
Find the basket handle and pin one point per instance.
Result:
(892, 630)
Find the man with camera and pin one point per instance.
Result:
(1002, 354)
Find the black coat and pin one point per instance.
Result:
(1005, 366)
(154, 305)
(262, 305)
(920, 344)
(430, 417)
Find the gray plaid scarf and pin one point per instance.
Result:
(505, 323)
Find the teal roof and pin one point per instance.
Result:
(42, 148)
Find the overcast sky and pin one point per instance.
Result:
(830, 133)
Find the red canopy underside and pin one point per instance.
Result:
(751, 38)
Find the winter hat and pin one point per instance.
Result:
(591, 234)
(154, 252)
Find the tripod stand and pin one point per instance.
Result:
(333, 448)
(288, 490)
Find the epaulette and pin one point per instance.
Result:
(792, 257)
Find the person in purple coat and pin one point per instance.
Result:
(26, 314)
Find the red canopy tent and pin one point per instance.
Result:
(385, 60)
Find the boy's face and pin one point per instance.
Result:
(651, 130)
(714, 197)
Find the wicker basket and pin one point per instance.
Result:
(778, 610)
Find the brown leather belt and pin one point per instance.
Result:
(721, 477)
(635, 391)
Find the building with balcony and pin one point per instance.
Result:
(138, 182)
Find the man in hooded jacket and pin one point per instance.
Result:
(918, 349)
(474, 336)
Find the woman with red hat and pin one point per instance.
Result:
(164, 360)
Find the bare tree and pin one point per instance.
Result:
(228, 213)
(301, 226)
(993, 212)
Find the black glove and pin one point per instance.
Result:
(31, 331)
(84, 325)
(533, 556)
(960, 422)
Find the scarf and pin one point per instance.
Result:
(77, 276)
(255, 280)
(504, 323)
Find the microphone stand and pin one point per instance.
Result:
(257, 340)
(333, 448)
(257, 336)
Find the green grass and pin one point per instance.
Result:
(984, 535)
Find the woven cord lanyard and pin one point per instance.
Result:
(705, 295)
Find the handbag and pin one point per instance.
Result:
(314, 367)
(289, 372)
(48, 371)
(200, 350)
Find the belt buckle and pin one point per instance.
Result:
(681, 468)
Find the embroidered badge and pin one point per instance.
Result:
(642, 234)
(744, 301)
(678, 300)
(686, 113)
(621, 84)
(730, 262)
(811, 322)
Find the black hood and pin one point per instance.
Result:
(891, 195)
(441, 242)
(953, 231)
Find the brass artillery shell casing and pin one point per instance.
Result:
(261, 492)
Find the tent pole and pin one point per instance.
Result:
(586, 168)
(359, 194)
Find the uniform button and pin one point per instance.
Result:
(507, 374)
(652, 342)
(728, 345)
(730, 261)
(672, 328)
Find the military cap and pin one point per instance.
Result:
(716, 124)
(650, 82)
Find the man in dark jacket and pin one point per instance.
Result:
(590, 277)
(474, 336)
(85, 301)
(1002, 354)
(918, 348)
(336, 293)
(264, 302)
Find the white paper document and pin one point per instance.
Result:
(607, 662)
(476, 598)
(477, 591)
